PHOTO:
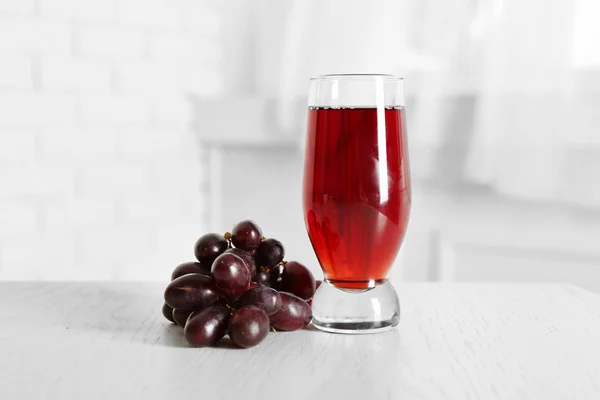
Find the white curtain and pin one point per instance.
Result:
(504, 71)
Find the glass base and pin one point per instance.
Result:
(355, 311)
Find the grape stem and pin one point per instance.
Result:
(227, 236)
(229, 308)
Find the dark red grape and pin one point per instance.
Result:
(297, 279)
(246, 235)
(168, 312)
(277, 286)
(294, 313)
(263, 277)
(253, 285)
(263, 297)
(269, 253)
(209, 247)
(268, 277)
(206, 327)
(191, 292)
(231, 275)
(180, 316)
(246, 257)
(274, 276)
(189, 268)
(248, 326)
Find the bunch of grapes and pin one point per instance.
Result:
(240, 286)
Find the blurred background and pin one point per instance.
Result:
(129, 128)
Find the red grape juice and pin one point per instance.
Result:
(356, 191)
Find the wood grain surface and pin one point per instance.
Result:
(454, 341)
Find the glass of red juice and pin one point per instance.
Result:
(356, 197)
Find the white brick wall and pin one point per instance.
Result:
(80, 213)
(156, 13)
(35, 181)
(79, 10)
(18, 220)
(109, 42)
(152, 143)
(35, 35)
(17, 147)
(120, 179)
(32, 108)
(169, 110)
(68, 73)
(16, 72)
(77, 145)
(11, 7)
(39, 256)
(148, 76)
(100, 176)
(114, 110)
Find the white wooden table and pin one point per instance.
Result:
(455, 341)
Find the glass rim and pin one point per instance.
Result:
(387, 77)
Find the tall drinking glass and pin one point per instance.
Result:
(356, 197)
